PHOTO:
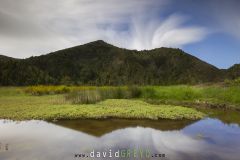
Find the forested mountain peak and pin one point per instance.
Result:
(100, 63)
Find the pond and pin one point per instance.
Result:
(209, 138)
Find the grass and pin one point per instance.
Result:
(229, 95)
(45, 90)
(18, 105)
(151, 102)
(92, 96)
(195, 95)
(50, 90)
(84, 97)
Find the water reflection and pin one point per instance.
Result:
(226, 116)
(206, 139)
(101, 127)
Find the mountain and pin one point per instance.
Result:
(234, 71)
(100, 63)
(5, 58)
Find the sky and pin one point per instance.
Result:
(207, 29)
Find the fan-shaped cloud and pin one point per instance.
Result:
(32, 27)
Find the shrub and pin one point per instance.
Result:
(45, 90)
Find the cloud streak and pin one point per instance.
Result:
(32, 27)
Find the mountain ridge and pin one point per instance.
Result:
(100, 63)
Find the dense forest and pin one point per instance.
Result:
(99, 63)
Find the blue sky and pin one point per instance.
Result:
(221, 47)
(218, 49)
(207, 29)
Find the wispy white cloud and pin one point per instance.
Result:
(32, 27)
(170, 32)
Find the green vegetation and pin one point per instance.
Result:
(100, 94)
(208, 96)
(99, 63)
(227, 95)
(84, 97)
(57, 78)
(234, 72)
(45, 90)
(86, 94)
(151, 102)
(19, 106)
(234, 82)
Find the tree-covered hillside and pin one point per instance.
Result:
(99, 63)
(234, 71)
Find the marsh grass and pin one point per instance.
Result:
(99, 94)
(209, 95)
(84, 97)
(229, 95)
(234, 82)
(46, 90)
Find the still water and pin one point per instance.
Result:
(209, 139)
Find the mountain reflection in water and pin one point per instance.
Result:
(178, 140)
